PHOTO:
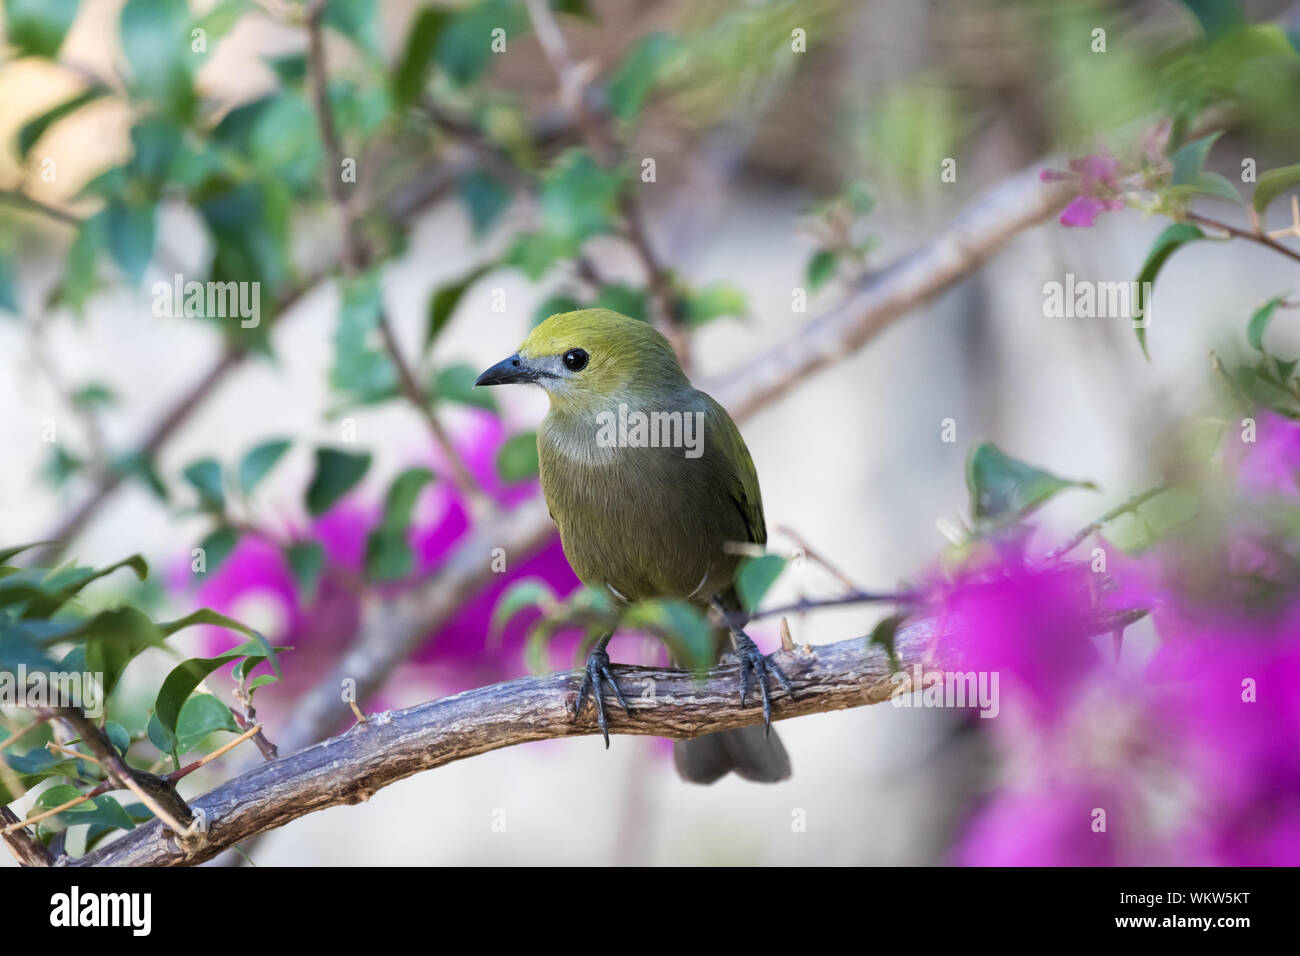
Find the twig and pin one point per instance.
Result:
(1239, 233)
(1081, 535)
(389, 747)
(220, 751)
(31, 204)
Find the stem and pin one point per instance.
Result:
(1239, 233)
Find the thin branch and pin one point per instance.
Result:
(1235, 231)
(30, 204)
(352, 767)
(1132, 504)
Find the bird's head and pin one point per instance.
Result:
(590, 357)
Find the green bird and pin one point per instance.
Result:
(648, 479)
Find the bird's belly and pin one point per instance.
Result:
(645, 526)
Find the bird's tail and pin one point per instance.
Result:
(744, 751)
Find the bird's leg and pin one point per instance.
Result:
(754, 663)
(596, 671)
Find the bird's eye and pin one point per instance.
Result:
(575, 360)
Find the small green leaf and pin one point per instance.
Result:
(444, 300)
(306, 560)
(113, 639)
(337, 473)
(1272, 184)
(883, 634)
(517, 457)
(205, 476)
(1189, 160)
(756, 577)
(455, 383)
(714, 301)
(485, 197)
(1259, 322)
(642, 68)
(202, 715)
(1167, 243)
(179, 685)
(37, 27)
(417, 54)
(130, 234)
(35, 128)
(1002, 487)
(118, 736)
(555, 305)
(526, 592)
(217, 545)
(822, 268)
(258, 462)
(256, 643)
(683, 627)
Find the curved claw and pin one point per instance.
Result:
(753, 660)
(594, 674)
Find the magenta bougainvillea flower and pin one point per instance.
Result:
(1186, 752)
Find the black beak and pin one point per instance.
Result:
(507, 372)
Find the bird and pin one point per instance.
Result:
(641, 518)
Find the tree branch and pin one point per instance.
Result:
(351, 767)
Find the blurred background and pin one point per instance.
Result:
(795, 146)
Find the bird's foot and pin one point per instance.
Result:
(596, 672)
(753, 663)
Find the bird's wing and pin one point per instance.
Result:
(742, 478)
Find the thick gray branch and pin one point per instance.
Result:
(350, 767)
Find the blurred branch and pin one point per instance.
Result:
(353, 766)
(29, 204)
(1264, 239)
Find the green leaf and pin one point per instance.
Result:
(1207, 183)
(205, 476)
(258, 462)
(1167, 243)
(284, 142)
(93, 395)
(1002, 487)
(35, 128)
(1135, 531)
(643, 67)
(1259, 322)
(822, 267)
(883, 634)
(445, 298)
(129, 231)
(357, 20)
(337, 473)
(756, 576)
(6, 554)
(37, 27)
(417, 54)
(388, 554)
(526, 592)
(578, 198)
(1189, 159)
(517, 457)
(179, 685)
(1216, 17)
(485, 197)
(464, 46)
(217, 545)
(60, 794)
(306, 560)
(256, 643)
(362, 368)
(117, 736)
(8, 285)
(714, 301)
(455, 383)
(202, 714)
(114, 638)
(683, 627)
(620, 297)
(156, 41)
(1272, 184)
